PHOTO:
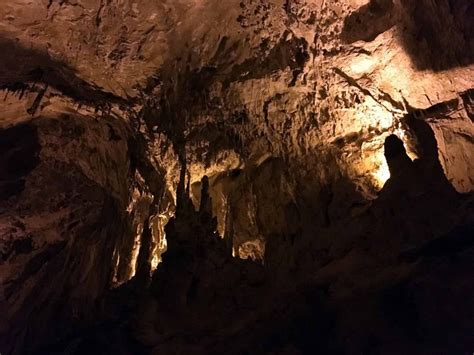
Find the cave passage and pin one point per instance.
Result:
(199, 177)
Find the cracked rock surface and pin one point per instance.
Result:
(239, 177)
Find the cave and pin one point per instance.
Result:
(200, 177)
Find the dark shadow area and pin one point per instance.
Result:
(468, 100)
(202, 301)
(396, 156)
(338, 280)
(22, 68)
(424, 175)
(287, 53)
(369, 21)
(49, 282)
(19, 149)
(438, 35)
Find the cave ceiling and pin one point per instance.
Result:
(277, 127)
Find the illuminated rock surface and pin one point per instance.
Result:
(326, 200)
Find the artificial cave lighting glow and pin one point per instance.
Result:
(362, 64)
(158, 224)
(135, 251)
(381, 175)
(115, 280)
(155, 261)
(400, 133)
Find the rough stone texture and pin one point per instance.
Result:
(290, 108)
(69, 200)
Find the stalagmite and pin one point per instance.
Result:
(236, 177)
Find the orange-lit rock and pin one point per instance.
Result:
(287, 106)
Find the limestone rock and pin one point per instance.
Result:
(336, 138)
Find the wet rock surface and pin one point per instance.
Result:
(238, 177)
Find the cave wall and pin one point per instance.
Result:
(279, 72)
(65, 189)
(453, 130)
(284, 104)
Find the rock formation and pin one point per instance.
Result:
(238, 177)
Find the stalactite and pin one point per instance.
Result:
(37, 102)
(295, 123)
(143, 273)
